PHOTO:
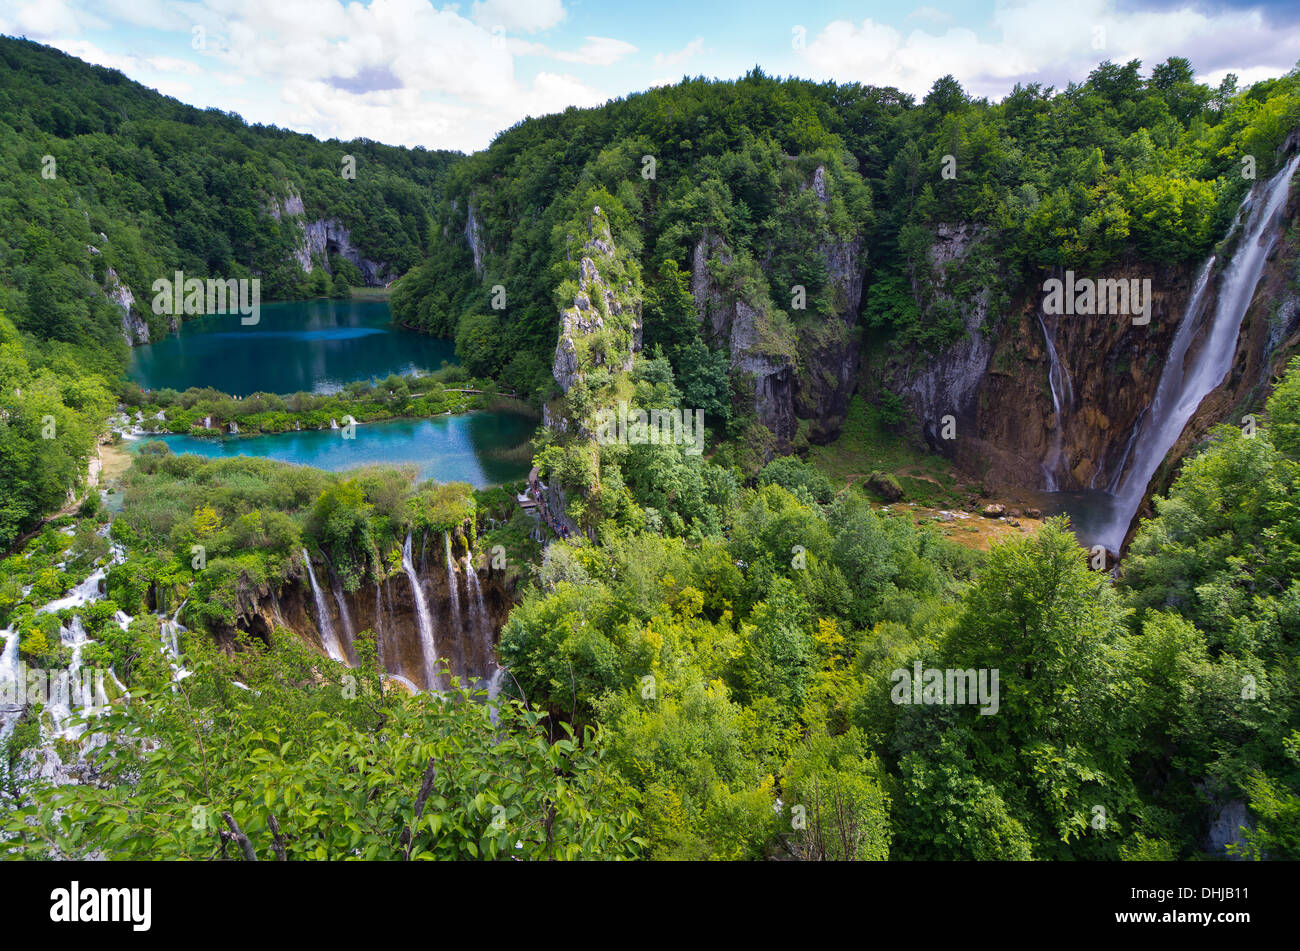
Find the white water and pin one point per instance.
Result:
(9, 657)
(457, 627)
(1183, 386)
(481, 632)
(349, 631)
(328, 638)
(1058, 379)
(79, 596)
(427, 645)
(403, 681)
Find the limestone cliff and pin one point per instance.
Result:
(600, 332)
(322, 237)
(798, 364)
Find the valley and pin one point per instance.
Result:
(363, 571)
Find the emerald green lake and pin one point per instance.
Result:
(319, 346)
(315, 346)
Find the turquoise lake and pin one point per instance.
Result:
(320, 346)
(471, 447)
(315, 346)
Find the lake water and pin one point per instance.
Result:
(315, 346)
(472, 447)
(319, 346)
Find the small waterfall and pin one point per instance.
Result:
(425, 618)
(1058, 379)
(9, 657)
(207, 422)
(1184, 385)
(479, 621)
(79, 596)
(379, 626)
(457, 626)
(403, 681)
(234, 428)
(349, 631)
(169, 633)
(329, 640)
(334, 424)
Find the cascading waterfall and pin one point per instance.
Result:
(425, 618)
(1058, 379)
(457, 626)
(349, 631)
(379, 626)
(1182, 387)
(79, 596)
(328, 638)
(482, 628)
(9, 657)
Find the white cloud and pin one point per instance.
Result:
(598, 51)
(1046, 41)
(693, 48)
(527, 15)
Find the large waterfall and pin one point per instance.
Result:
(430, 650)
(1183, 384)
(328, 638)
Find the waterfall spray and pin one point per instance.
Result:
(1184, 384)
(424, 617)
(1058, 379)
(457, 626)
(328, 638)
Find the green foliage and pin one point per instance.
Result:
(311, 765)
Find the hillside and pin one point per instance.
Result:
(107, 186)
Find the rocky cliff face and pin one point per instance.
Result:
(318, 239)
(603, 327)
(1109, 371)
(1020, 424)
(946, 383)
(745, 324)
(797, 366)
(830, 351)
(323, 237)
(134, 327)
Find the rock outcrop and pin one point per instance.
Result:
(602, 329)
(830, 351)
(320, 238)
(746, 325)
(323, 237)
(799, 366)
(134, 327)
(938, 385)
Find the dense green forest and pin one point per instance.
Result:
(736, 697)
(1120, 165)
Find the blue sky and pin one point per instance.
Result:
(414, 72)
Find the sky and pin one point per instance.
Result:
(446, 75)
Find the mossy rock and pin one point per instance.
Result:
(883, 486)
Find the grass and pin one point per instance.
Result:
(866, 445)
